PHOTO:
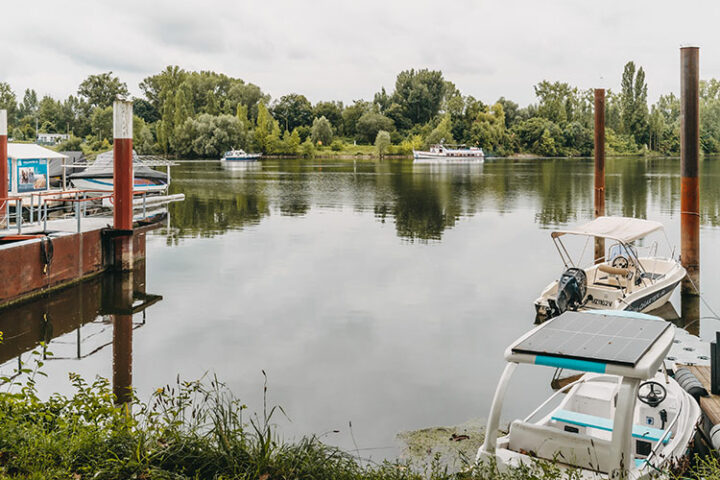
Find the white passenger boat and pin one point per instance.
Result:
(624, 418)
(441, 153)
(623, 280)
(99, 175)
(240, 156)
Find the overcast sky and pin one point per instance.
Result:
(345, 50)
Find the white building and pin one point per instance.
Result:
(51, 138)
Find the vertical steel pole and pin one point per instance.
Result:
(689, 158)
(4, 187)
(599, 168)
(123, 181)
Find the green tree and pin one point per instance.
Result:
(267, 131)
(351, 115)
(29, 105)
(333, 112)
(291, 142)
(101, 123)
(488, 130)
(557, 101)
(442, 133)
(419, 94)
(370, 124)
(382, 142)
(293, 111)
(634, 117)
(8, 101)
(101, 90)
(321, 131)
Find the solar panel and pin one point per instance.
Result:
(600, 338)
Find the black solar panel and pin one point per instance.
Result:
(600, 338)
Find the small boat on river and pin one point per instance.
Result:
(441, 153)
(623, 280)
(625, 417)
(240, 156)
(99, 175)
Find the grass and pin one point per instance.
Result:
(189, 430)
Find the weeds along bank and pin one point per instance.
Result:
(190, 430)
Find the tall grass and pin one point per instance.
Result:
(188, 430)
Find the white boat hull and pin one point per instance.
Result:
(250, 157)
(428, 157)
(643, 299)
(551, 440)
(107, 184)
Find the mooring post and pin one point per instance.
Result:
(4, 187)
(123, 180)
(599, 168)
(689, 158)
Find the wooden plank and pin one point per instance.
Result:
(710, 405)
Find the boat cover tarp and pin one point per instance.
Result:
(30, 151)
(103, 168)
(622, 229)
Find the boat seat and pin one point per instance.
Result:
(549, 443)
(591, 421)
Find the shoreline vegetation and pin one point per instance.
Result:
(197, 430)
(202, 114)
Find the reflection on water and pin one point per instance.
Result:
(424, 200)
(382, 293)
(77, 323)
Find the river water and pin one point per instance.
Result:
(381, 294)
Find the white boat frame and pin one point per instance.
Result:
(600, 447)
(646, 285)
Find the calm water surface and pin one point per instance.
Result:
(377, 293)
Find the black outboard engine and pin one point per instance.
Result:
(572, 288)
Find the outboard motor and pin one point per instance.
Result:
(572, 288)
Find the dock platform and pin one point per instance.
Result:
(710, 405)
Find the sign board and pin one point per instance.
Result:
(31, 175)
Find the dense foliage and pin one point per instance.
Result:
(201, 114)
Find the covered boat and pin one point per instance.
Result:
(624, 418)
(622, 280)
(99, 175)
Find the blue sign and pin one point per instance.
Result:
(32, 175)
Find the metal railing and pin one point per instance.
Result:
(5, 219)
(43, 204)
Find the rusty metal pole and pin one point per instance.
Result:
(123, 182)
(599, 168)
(4, 187)
(689, 159)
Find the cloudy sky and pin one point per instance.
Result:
(345, 50)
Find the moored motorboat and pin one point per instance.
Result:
(623, 418)
(622, 280)
(99, 175)
(441, 153)
(240, 156)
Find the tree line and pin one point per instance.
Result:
(202, 114)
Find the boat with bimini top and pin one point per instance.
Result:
(623, 279)
(625, 417)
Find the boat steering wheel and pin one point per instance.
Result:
(655, 396)
(620, 262)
